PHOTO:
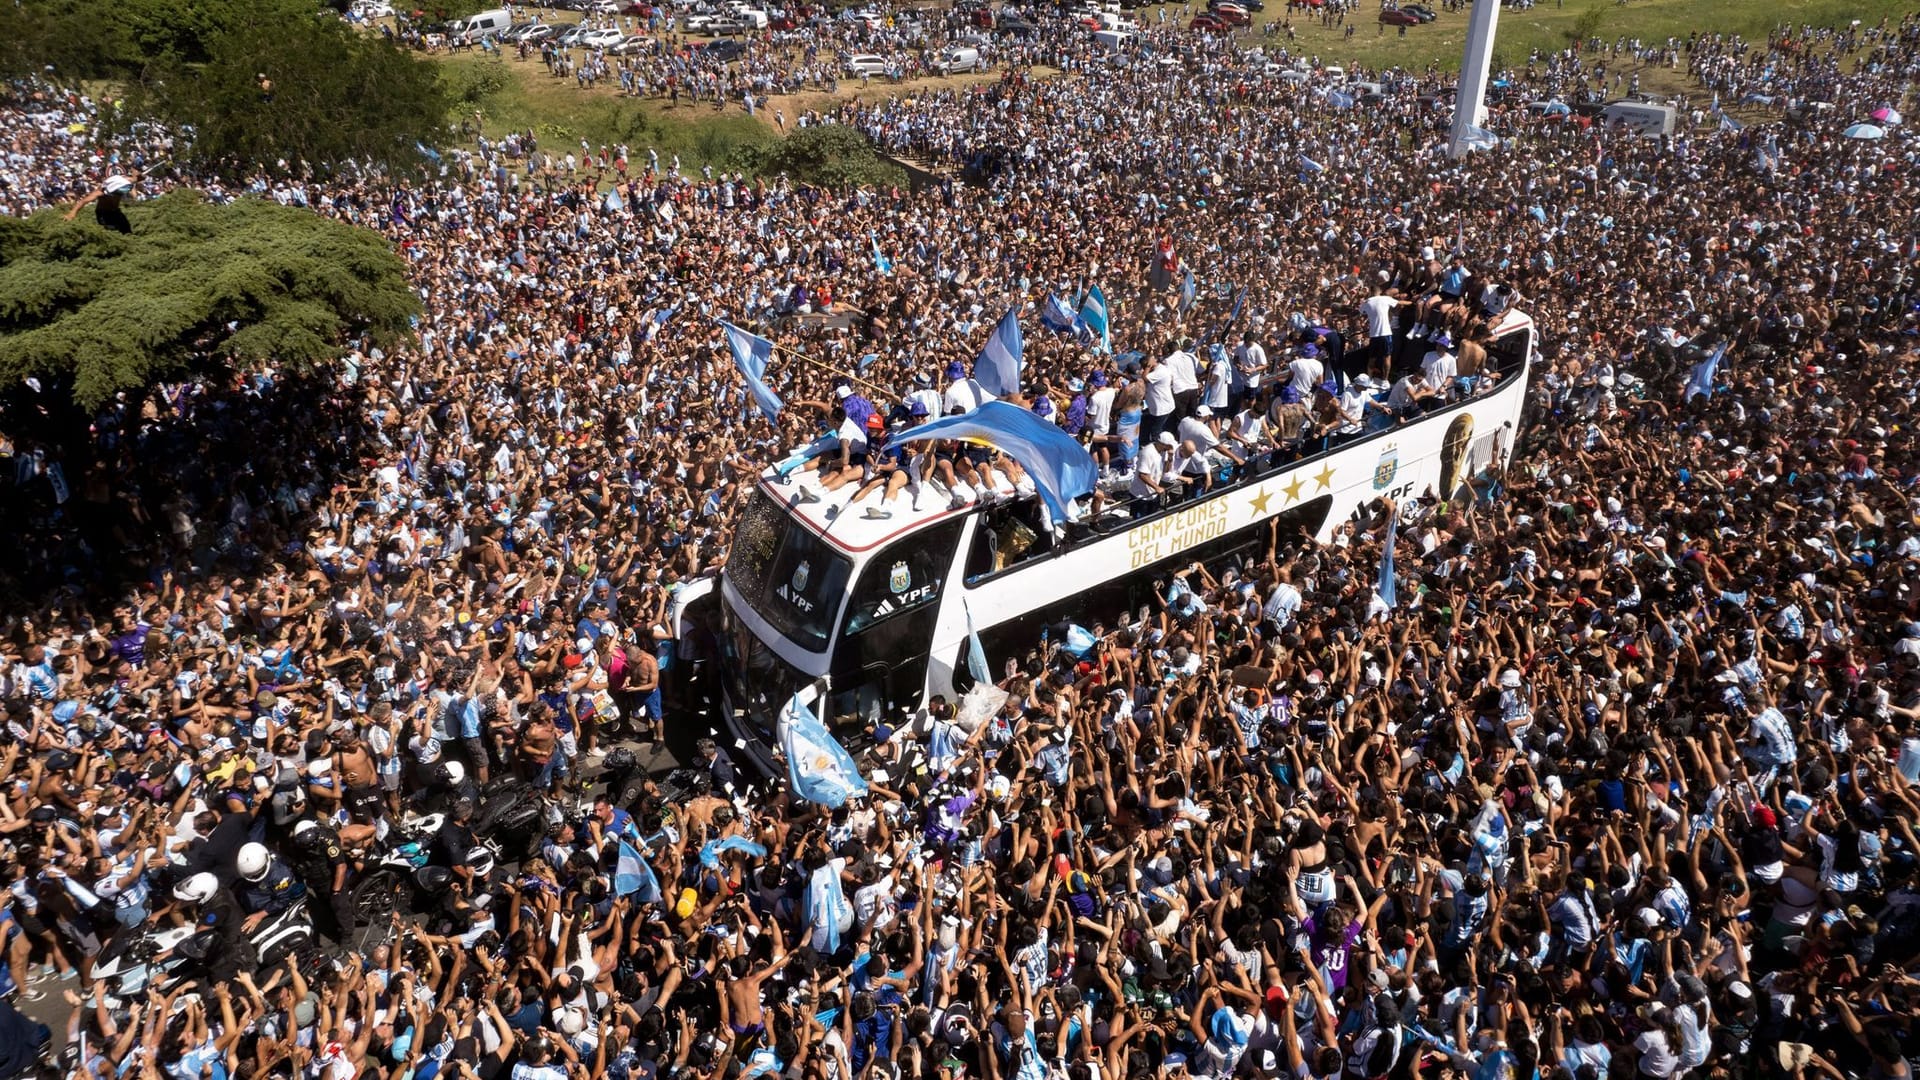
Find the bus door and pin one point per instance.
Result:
(880, 661)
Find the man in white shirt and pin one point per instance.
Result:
(1249, 367)
(1200, 429)
(1218, 394)
(1378, 311)
(1247, 435)
(924, 393)
(1159, 403)
(1307, 371)
(964, 393)
(1439, 367)
(1150, 473)
(1100, 406)
(1186, 379)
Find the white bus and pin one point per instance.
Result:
(864, 617)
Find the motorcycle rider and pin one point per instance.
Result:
(321, 864)
(266, 886)
(444, 785)
(202, 903)
(453, 845)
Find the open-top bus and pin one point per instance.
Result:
(864, 616)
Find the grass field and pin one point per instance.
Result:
(508, 95)
(1548, 25)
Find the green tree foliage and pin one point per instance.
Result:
(196, 288)
(336, 93)
(330, 94)
(830, 155)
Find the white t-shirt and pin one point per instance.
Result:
(1439, 367)
(1195, 430)
(1151, 464)
(1308, 373)
(1186, 370)
(1379, 312)
(966, 395)
(1160, 390)
(1100, 410)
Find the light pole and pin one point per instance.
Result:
(1469, 101)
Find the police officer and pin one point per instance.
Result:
(321, 863)
(266, 887)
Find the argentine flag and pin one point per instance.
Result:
(633, 877)
(750, 354)
(997, 369)
(880, 260)
(1384, 589)
(819, 769)
(1057, 314)
(1093, 316)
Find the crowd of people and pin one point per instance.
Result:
(1624, 786)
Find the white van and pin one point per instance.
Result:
(1111, 40)
(956, 60)
(474, 27)
(1112, 20)
(1641, 116)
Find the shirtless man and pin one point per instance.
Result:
(741, 982)
(360, 777)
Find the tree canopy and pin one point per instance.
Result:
(196, 287)
(258, 82)
(831, 155)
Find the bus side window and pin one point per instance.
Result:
(1008, 536)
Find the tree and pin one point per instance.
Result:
(195, 289)
(831, 155)
(299, 87)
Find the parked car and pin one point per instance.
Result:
(956, 60)
(1232, 14)
(727, 49)
(604, 37)
(862, 64)
(1393, 16)
(726, 24)
(1209, 23)
(632, 44)
(1014, 26)
(372, 9)
(1420, 11)
(644, 11)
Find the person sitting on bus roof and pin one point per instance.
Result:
(896, 468)
(1246, 433)
(1328, 415)
(1151, 474)
(964, 392)
(1439, 368)
(1406, 398)
(841, 450)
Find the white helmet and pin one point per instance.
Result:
(197, 889)
(456, 773)
(254, 861)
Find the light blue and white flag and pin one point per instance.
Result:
(976, 655)
(1056, 314)
(750, 354)
(818, 768)
(1189, 291)
(1384, 590)
(997, 369)
(711, 851)
(633, 877)
(1093, 317)
(1700, 379)
(1060, 468)
(880, 260)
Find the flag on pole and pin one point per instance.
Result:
(880, 260)
(1057, 314)
(818, 768)
(997, 369)
(1700, 379)
(1189, 291)
(633, 877)
(750, 354)
(1093, 316)
(1384, 589)
(976, 656)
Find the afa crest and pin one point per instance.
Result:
(1383, 473)
(899, 578)
(800, 575)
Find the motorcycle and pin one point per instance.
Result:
(161, 959)
(401, 878)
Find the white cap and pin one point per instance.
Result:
(117, 185)
(1166, 439)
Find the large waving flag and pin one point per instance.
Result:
(1060, 468)
(1056, 314)
(1700, 379)
(880, 260)
(998, 368)
(633, 877)
(1093, 316)
(1384, 590)
(711, 851)
(750, 354)
(819, 769)
(1189, 291)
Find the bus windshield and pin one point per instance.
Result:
(787, 574)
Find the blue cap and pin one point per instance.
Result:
(1099, 378)
(1288, 395)
(956, 370)
(1076, 385)
(918, 408)
(1309, 349)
